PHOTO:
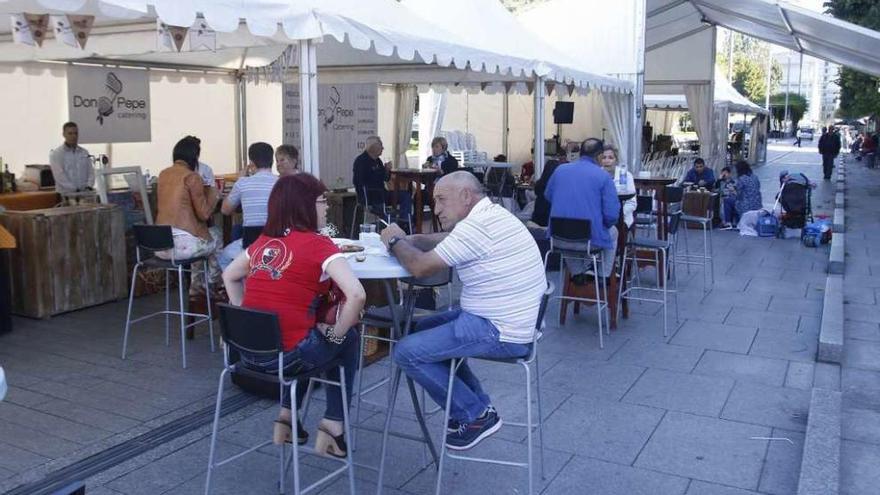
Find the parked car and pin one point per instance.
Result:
(805, 133)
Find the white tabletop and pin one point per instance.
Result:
(375, 266)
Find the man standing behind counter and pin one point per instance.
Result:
(71, 165)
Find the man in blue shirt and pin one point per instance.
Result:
(700, 175)
(583, 190)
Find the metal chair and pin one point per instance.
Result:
(573, 230)
(664, 261)
(704, 259)
(373, 201)
(258, 333)
(644, 213)
(530, 425)
(151, 239)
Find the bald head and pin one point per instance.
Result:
(455, 195)
(461, 180)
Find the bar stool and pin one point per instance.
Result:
(373, 201)
(664, 261)
(703, 259)
(259, 333)
(529, 425)
(153, 238)
(570, 231)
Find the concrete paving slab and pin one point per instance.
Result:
(827, 376)
(783, 463)
(785, 345)
(696, 394)
(861, 388)
(862, 331)
(778, 407)
(799, 375)
(702, 488)
(583, 475)
(610, 431)
(707, 449)
(591, 379)
(743, 368)
(663, 356)
(862, 425)
(713, 336)
(858, 469)
(764, 320)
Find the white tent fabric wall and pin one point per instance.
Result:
(432, 111)
(719, 127)
(404, 107)
(700, 104)
(617, 110)
(34, 101)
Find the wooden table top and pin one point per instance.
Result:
(653, 181)
(414, 173)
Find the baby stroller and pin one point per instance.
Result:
(795, 197)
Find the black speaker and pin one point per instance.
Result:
(563, 112)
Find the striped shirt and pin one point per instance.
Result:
(500, 269)
(253, 195)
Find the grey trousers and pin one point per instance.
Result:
(578, 266)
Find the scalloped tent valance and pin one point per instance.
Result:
(361, 33)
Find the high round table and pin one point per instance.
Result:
(387, 268)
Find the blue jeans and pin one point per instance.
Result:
(228, 254)
(314, 352)
(728, 209)
(425, 357)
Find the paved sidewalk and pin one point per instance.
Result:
(860, 373)
(718, 407)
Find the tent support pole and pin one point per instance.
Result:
(240, 123)
(308, 93)
(638, 99)
(539, 125)
(505, 125)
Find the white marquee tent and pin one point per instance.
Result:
(349, 40)
(679, 42)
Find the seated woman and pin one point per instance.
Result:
(623, 181)
(287, 160)
(289, 270)
(748, 189)
(186, 203)
(440, 159)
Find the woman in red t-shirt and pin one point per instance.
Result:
(289, 270)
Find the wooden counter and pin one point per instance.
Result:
(67, 258)
(24, 201)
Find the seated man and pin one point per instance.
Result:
(583, 190)
(370, 174)
(502, 280)
(252, 193)
(700, 175)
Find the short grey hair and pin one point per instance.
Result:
(441, 141)
(372, 141)
(462, 179)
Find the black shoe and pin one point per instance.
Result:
(579, 279)
(469, 435)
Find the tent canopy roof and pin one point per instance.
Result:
(360, 33)
(725, 94)
(780, 23)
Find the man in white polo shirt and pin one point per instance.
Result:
(502, 280)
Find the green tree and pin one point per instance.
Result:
(797, 107)
(858, 91)
(749, 76)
